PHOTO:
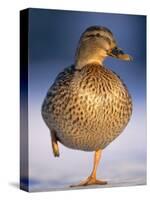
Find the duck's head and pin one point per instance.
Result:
(96, 43)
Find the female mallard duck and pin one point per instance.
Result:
(88, 105)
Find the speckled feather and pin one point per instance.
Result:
(87, 108)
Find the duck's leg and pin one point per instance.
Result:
(54, 143)
(91, 180)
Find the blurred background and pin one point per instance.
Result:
(53, 38)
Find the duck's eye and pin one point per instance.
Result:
(97, 35)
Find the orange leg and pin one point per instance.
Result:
(54, 143)
(91, 180)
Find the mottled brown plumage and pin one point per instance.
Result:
(88, 105)
(87, 108)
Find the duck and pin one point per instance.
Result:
(88, 106)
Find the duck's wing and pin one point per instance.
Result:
(58, 94)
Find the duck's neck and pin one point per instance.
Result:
(80, 63)
(86, 56)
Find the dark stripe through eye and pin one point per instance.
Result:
(91, 35)
(94, 35)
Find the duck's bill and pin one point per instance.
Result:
(118, 53)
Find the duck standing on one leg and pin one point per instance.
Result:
(88, 105)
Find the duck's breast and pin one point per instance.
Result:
(95, 109)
